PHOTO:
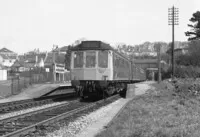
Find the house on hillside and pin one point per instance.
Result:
(180, 51)
(7, 57)
(19, 66)
(7, 52)
(34, 59)
(61, 50)
(147, 50)
(52, 62)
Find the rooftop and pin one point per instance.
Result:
(5, 50)
(92, 45)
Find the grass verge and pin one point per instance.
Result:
(159, 113)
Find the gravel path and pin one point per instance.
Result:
(97, 126)
(79, 125)
(102, 121)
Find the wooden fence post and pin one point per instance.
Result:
(12, 86)
(18, 84)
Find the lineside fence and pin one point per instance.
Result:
(35, 76)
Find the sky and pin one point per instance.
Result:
(29, 24)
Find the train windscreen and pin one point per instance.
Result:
(103, 59)
(78, 59)
(90, 59)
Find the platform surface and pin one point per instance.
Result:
(34, 91)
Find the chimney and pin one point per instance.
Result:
(36, 59)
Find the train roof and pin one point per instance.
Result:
(92, 45)
(95, 45)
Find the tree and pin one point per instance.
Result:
(68, 57)
(192, 58)
(194, 50)
(194, 33)
(183, 60)
(78, 41)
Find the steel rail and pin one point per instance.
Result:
(33, 127)
(33, 112)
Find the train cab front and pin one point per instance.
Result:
(90, 63)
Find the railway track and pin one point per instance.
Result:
(28, 124)
(29, 103)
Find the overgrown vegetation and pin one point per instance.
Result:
(164, 112)
(187, 65)
(182, 72)
(187, 87)
(192, 57)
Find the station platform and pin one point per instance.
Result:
(35, 91)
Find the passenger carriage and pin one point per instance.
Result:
(98, 70)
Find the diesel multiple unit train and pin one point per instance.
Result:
(99, 70)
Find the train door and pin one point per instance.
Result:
(104, 63)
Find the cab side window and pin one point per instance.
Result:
(103, 59)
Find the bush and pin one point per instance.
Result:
(166, 73)
(182, 72)
(186, 72)
(187, 87)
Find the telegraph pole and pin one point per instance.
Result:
(54, 63)
(159, 65)
(173, 20)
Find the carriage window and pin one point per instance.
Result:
(78, 59)
(90, 59)
(103, 59)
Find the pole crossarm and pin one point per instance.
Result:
(173, 14)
